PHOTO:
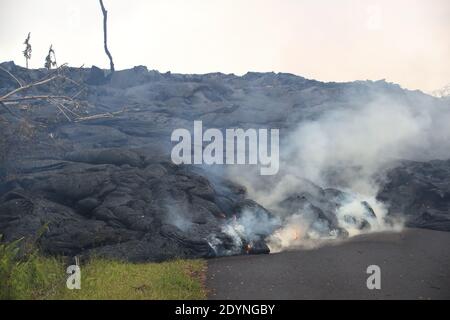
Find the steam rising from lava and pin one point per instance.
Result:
(347, 150)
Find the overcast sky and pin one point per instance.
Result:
(403, 41)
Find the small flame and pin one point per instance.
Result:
(248, 248)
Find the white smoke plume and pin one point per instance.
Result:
(177, 216)
(347, 149)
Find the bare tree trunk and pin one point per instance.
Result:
(105, 33)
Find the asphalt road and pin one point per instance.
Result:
(414, 264)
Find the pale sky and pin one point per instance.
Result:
(402, 41)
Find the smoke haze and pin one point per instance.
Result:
(347, 149)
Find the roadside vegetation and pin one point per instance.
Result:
(26, 275)
(32, 276)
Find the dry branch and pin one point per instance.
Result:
(8, 110)
(11, 98)
(62, 111)
(45, 97)
(12, 76)
(100, 116)
(34, 84)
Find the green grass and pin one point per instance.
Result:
(26, 276)
(104, 279)
(33, 276)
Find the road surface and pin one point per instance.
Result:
(414, 264)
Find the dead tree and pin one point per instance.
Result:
(20, 129)
(50, 59)
(68, 106)
(27, 51)
(105, 36)
(65, 104)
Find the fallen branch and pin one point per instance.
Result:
(77, 94)
(49, 77)
(100, 116)
(34, 84)
(12, 76)
(9, 110)
(94, 117)
(11, 98)
(46, 97)
(65, 108)
(62, 111)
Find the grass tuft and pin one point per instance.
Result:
(105, 279)
(33, 276)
